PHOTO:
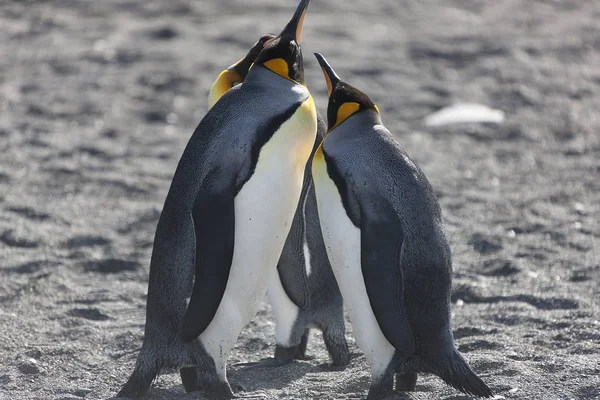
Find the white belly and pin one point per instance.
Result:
(264, 209)
(343, 244)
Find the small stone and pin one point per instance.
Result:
(579, 208)
(4, 379)
(81, 392)
(29, 367)
(172, 118)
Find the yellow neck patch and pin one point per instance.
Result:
(345, 111)
(279, 66)
(318, 157)
(223, 83)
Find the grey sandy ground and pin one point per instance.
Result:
(98, 99)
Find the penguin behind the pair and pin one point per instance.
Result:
(384, 234)
(228, 213)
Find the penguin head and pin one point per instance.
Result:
(236, 73)
(344, 100)
(241, 67)
(282, 54)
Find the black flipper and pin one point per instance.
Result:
(291, 266)
(381, 247)
(214, 225)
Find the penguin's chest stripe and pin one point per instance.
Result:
(284, 137)
(293, 140)
(332, 181)
(264, 208)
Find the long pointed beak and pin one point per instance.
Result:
(331, 77)
(294, 28)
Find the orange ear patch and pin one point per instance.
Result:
(279, 66)
(223, 83)
(345, 111)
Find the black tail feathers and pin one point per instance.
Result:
(455, 371)
(146, 370)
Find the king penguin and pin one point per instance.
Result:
(236, 73)
(304, 293)
(228, 212)
(385, 239)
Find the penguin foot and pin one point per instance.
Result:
(285, 355)
(300, 353)
(189, 379)
(217, 390)
(382, 387)
(383, 395)
(406, 382)
(337, 347)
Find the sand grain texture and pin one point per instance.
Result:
(99, 98)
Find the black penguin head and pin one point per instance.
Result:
(241, 67)
(236, 73)
(282, 54)
(344, 100)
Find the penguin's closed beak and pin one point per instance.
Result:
(331, 77)
(293, 29)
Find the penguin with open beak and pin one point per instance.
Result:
(228, 213)
(384, 235)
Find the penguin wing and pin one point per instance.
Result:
(381, 249)
(291, 267)
(213, 215)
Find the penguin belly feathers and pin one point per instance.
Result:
(304, 293)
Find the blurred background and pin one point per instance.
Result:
(99, 98)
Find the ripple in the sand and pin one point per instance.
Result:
(11, 239)
(110, 266)
(29, 213)
(163, 33)
(32, 267)
(89, 313)
(471, 294)
(472, 331)
(479, 345)
(85, 241)
(484, 244)
(499, 267)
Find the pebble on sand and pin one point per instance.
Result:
(29, 367)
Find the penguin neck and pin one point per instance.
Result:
(260, 74)
(362, 120)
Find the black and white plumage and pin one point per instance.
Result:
(384, 234)
(226, 218)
